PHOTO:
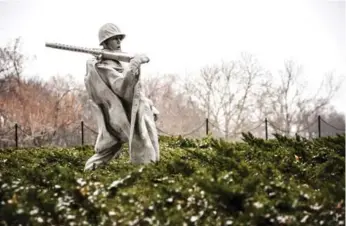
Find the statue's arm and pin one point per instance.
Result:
(131, 75)
(120, 83)
(133, 72)
(123, 83)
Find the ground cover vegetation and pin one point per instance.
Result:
(206, 181)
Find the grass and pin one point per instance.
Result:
(284, 181)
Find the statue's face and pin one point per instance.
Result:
(114, 43)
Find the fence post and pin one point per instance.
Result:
(16, 134)
(266, 127)
(319, 126)
(82, 128)
(207, 126)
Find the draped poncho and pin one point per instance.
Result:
(123, 113)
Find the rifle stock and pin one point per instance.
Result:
(106, 54)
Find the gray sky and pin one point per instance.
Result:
(181, 37)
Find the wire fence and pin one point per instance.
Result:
(83, 134)
(265, 129)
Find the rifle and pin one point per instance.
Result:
(106, 54)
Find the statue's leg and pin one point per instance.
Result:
(145, 146)
(152, 132)
(107, 146)
(103, 157)
(104, 138)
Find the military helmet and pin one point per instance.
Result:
(109, 30)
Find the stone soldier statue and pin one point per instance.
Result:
(124, 114)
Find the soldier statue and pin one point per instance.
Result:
(123, 113)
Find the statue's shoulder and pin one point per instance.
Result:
(110, 64)
(91, 61)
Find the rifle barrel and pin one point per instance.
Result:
(74, 48)
(105, 53)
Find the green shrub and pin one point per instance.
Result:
(284, 181)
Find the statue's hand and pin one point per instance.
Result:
(138, 60)
(142, 58)
(99, 58)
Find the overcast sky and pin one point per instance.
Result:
(181, 37)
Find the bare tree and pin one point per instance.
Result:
(227, 93)
(11, 65)
(11, 61)
(41, 109)
(287, 104)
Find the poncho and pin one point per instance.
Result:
(123, 113)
